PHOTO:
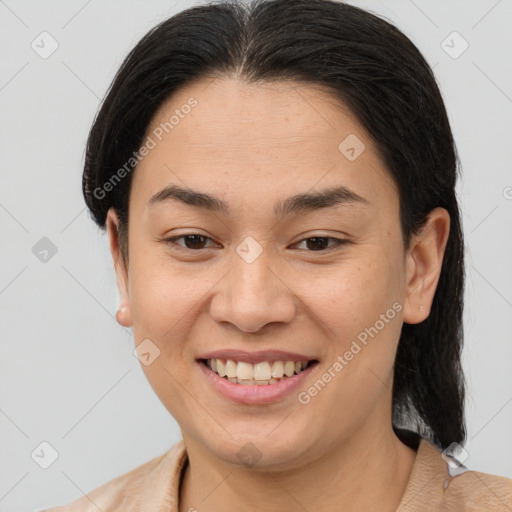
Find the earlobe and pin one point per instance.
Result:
(123, 315)
(423, 266)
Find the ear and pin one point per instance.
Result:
(123, 316)
(423, 265)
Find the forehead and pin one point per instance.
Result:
(258, 139)
(240, 115)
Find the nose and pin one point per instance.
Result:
(254, 294)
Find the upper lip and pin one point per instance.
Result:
(255, 357)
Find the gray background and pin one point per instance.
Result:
(67, 372)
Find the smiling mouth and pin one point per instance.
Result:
(259, 374)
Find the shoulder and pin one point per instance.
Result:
(152, 481)
(478, 491)
(439, 482)
(481, 491)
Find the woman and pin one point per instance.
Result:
(278, 184)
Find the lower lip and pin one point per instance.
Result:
(255, 394)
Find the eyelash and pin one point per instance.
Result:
(338, 242)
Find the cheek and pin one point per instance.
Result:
(353, 295)
(361, 307)
(162, 299)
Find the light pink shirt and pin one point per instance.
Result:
(433, 486)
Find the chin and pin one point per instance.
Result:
(260, 451)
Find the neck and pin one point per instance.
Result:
(369, 472)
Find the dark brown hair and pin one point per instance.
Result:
(368, 64)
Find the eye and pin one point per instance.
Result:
(192, 241)
(318, 243)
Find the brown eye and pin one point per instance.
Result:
(318, 243)
(193, 241)
(196, 242)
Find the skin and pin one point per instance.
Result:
(251, 146)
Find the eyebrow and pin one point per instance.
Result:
(300, 203)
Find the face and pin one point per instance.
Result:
(252, 272)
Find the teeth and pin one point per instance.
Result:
(230, 368)
(277, 369)
(266, 372)
(289, 368)
(244, 371)
(262, 371)
(221, 367)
